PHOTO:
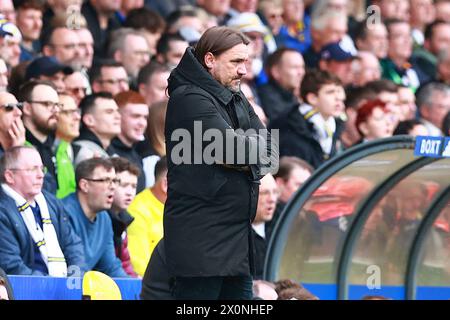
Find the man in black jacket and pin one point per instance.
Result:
(101, 20)
(100, 123)
(40, 116)
(286, 69)
(267, 202)
(212, 199)
(134, 114)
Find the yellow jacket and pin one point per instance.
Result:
(146, 230)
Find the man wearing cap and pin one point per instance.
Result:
(10, 39)
(48, 69)
(335, 59)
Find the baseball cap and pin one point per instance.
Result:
(9, 29)
(336, 51)
(46, 66)
(247, 22)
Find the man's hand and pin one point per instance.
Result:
(17, 133)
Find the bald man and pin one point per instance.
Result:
(267, 202)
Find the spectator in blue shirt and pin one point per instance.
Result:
(96, 182)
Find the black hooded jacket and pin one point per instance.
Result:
(210, 207)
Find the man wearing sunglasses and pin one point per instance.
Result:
(12, 131)
(96, 183)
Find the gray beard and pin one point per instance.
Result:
(235, 88)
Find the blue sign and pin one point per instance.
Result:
(49, 288)
(446, 148)
(428, 146)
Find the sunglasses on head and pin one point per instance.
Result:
(10, 106)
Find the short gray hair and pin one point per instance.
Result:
(321, 19)
(425, 95)
(117, 40)
(10, 158)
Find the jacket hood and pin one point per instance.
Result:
(86, 134)
(189, 71)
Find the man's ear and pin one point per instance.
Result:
(27, 109)
(83, 185)
(118, 56)
(9, 178)
(275, 73)
(96, 86)
(88, 120)
(424, 111)
(47, 50)
(279, 181)
(323, 64)
(164, 185)
(311, 99)
(142, 89)
(209, 60)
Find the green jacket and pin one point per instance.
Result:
(65, 170)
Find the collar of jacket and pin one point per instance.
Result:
(119, 145)
(399, 69)
(35, 142)
(297, 122)
(287, 95)
(190, 71)
(86, 134)
(123, 218)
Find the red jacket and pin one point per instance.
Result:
(124, 255)
(120, 222)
